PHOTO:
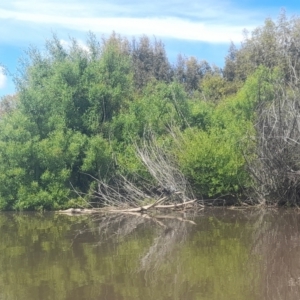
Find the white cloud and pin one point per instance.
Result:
(67, 44)
(3, 78)
(208, 21)
(164, 27)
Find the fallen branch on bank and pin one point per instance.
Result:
(154, 205)
(165, 187)
(142, 209)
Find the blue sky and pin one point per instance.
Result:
(200, 28)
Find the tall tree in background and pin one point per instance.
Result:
(149, 62)
(229, 70)
(273, 45)
(190, 72)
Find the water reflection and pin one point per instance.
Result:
(216, 254)
(278, 242)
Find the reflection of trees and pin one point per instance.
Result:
(117, 226)
(172, 235)
(178, 260)
(32, 249)
(169, 230)
(278, 242)
(129, 256)
(165, 256)
(152, 241)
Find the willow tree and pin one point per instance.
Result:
(66, 96)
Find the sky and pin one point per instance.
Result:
(202, 28)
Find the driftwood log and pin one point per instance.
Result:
(142, 209)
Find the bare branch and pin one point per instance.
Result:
(167, 183)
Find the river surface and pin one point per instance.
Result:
(214, 254)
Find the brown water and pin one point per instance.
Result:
(222, 254)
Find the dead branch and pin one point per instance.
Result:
(276, 167)
(176, 204)
(167, 184)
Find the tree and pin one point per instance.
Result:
(149, 61)
(275, 169)
(55, 132)
(190, 72)
(212, 154)
(109, 84)
(160, 107)
(275, 44)
(229, 70)
(8, 104)
(179, 69)
(17, 158)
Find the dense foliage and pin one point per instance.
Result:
(78, 114)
